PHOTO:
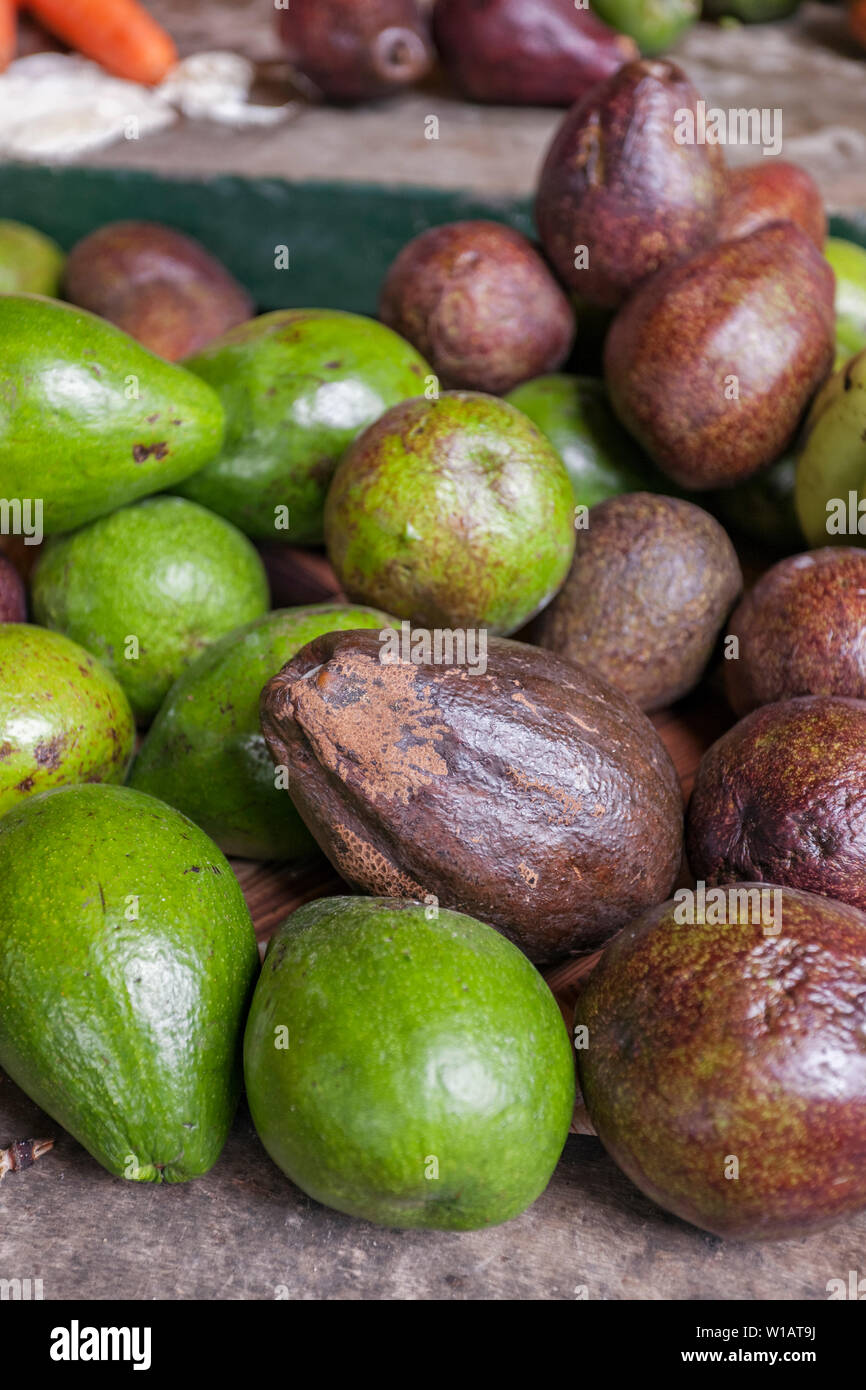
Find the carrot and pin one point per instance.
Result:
(857, 21)
(118, 34)
(8, 32)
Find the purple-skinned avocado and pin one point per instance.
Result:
(721, 1058)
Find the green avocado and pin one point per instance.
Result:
(127, 956)
(30, 263)
(655, 25)
(298, 385)
(205, 753)
(407, 1065)
(63, 716)
(452, 513)
(147, 589)
(848, 262)
(574, 413)
(89, 419)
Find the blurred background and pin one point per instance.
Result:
(805, 59)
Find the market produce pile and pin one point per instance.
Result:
(527, 559)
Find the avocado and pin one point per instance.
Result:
(575, 415)
(298, 385)
(479, 302)
(147, 589)
(89, 419)
(454, 512)
(711, 363)
(723, 1065)
(205, 753)
(13, 596)
(30, 262)
(801, 631)
(127, 957)
(652, 582)
(780, 797)
(63, 716)
(762, 508)
(407, 1065)
(161, 287)
(519, 788)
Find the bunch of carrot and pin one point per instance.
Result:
(118, 34)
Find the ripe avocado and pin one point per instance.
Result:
(298, 385)
(652, 582)
(780, 797)
(724, 1068)
(455, 512)
(30, 262)
(148, 588)
(407, 1065)
(205, 753)
(127, 956)
(89, 419)
(63, 716)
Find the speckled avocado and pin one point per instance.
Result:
(127, 956)
(89, 419)
(780, 797)
(205, 753)
(427, 1079)
(30, 262)
(63, 716)
(723, 1063)
(298, 385)
(149, 588)
(455, 512)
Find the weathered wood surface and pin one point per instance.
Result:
(244, 1232)
(807, 66)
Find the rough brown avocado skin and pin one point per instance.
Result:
(534, 796)
(781, 797)
(712, 1043)
(652, 581)
(801, 630)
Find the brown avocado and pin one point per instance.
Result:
(478, 302)
(652, 581)
(781, 798)
(723, 1063)
(520, 789)
(711, 364)
(801, 631)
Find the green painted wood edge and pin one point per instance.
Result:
(341, 236)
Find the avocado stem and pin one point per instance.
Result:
(22, 1153)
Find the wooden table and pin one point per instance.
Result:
(807, 66)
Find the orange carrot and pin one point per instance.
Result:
(8, 32)
(118, 34)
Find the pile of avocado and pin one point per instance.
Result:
(527, 560)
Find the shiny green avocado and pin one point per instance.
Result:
(89, 419)
(407, 1065)
(205, 753)
(298, 386)
(127, 956)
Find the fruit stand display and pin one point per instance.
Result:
(460, 597)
